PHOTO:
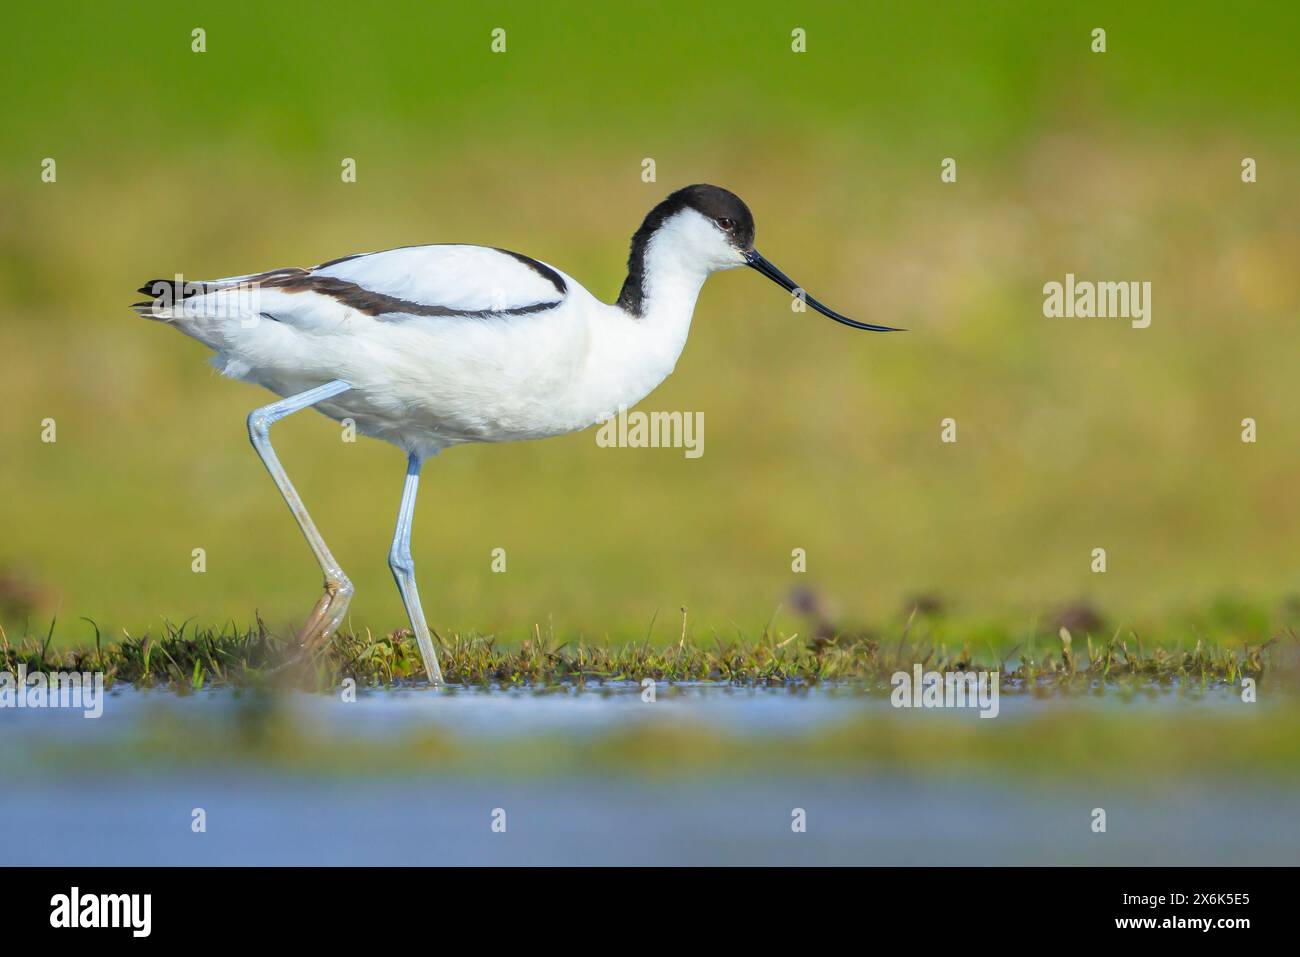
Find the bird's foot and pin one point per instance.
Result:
(328, 614)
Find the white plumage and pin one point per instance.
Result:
(432, 346)
(424, 382)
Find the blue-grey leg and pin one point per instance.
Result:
(403, 566)
(328, 614)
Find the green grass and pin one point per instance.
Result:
(188, 659)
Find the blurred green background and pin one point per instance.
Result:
(1072, 434)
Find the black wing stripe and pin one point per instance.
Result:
(182, 289)
(367, 301)
(543, 270)
(372, 303)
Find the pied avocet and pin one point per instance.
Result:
(432, 346)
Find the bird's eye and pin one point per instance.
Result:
(727, 224)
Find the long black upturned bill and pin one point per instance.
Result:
(756, 261)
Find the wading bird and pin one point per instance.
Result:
(432, 346)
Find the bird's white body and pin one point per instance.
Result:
(490, 372)
(432, 346)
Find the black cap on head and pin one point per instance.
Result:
(720, 205)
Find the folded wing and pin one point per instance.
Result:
(391, 286)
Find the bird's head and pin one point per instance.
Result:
(712, 227)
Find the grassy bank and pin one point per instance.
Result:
(190, 659)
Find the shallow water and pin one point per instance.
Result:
(522, 711)
(133, 812)
(257, 819)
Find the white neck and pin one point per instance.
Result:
(629, 355)
(671, 284)
(635, 344)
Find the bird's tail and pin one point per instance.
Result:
(166, 297)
